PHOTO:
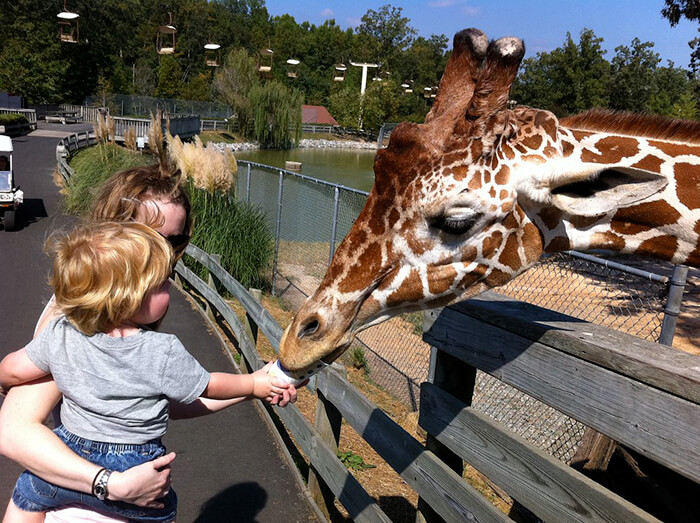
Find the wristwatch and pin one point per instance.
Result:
(99, 486)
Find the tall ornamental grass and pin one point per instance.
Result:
(92, 167)
(235, 230)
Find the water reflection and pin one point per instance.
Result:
(349, 167)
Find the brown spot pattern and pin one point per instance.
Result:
(491, 243)
(645, 216)
(611, 149)
(440, 280)
(649, 163)
(688, 184)
(663, 247)
(551, 217)
(558, 244)
(510, 256)
(503, 175)
(363, 271)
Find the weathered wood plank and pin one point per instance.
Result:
(262, 317)
(657, 365)
(543, 484)
(618, 406)
(359, 504)
(448, 494)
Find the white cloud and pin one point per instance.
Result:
(443, 3)
(471, 11)
(327, 13)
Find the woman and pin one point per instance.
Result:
(154, 196)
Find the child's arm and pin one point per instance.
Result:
(200, 407)
(259, 384)
(16, 368)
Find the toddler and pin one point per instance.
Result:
(109, 280)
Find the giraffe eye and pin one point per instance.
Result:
(455, 224)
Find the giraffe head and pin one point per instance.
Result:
(454, 207)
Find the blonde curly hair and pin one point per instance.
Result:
(103, 271)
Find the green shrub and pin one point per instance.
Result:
(92, 167)
(10, 118)
(235, 230)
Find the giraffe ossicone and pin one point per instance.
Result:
(475, 195)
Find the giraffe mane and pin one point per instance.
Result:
(642, 125)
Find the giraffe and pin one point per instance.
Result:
(475, 195)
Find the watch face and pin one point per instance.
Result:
(100, 492)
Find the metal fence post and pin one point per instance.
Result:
(247, 186)
(334, 225)
(278, 221)
(673, 304)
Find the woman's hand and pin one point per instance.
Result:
(144, 484)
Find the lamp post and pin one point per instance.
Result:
(364, 74)
(363, 85)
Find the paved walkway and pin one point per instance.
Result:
(229, 465)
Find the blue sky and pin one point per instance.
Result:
(542, 24)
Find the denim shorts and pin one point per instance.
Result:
(33, 494)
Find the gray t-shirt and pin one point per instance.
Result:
(117, 389)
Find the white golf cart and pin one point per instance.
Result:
(10, 195)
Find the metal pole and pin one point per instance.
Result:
(278, 221)
(334, 229)
(247, 185)
(673, 304)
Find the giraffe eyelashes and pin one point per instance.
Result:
(454, 224)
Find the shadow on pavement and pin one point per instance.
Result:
(240, 503)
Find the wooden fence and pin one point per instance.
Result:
(627, 388)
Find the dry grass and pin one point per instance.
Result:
(210, 169)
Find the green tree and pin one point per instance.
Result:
(276, 115)
(233, 82)
(169, 77)
(686, 107)
(689, 9)
(384, 34)
(632, 76)
(568, 80)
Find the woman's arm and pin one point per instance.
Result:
(25, 439)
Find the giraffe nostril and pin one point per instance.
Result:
(308, 329)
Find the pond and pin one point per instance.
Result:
(349, 167)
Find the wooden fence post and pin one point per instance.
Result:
(251, 328)
(327, 423)
(211, 281)
(457, 378)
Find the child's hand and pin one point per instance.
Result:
(267, 388)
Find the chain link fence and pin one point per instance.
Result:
(310, 217)
(144, 106)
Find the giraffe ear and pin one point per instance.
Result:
(592, 192)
